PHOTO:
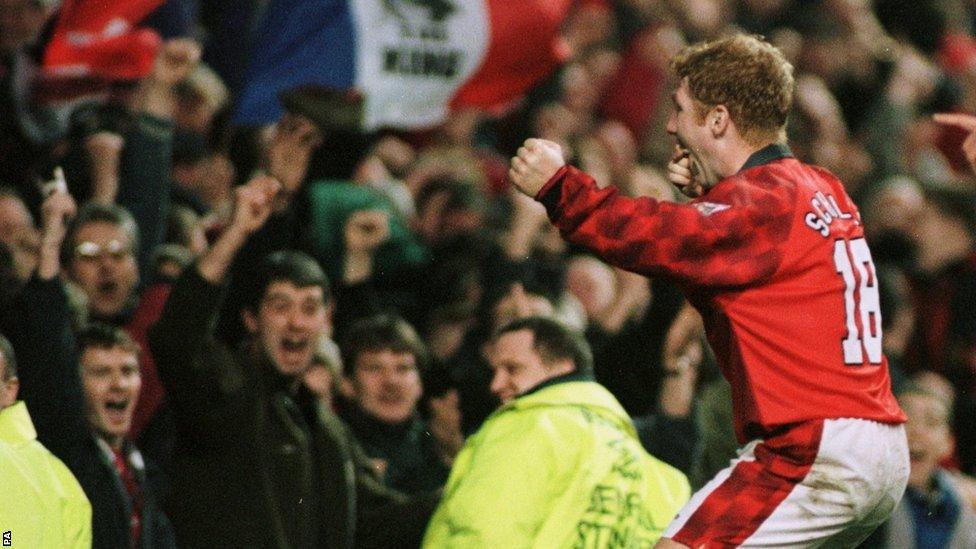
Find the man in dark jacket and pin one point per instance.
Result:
(83, 419)
(383, 360)
(258, 463)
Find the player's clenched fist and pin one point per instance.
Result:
(534, 164)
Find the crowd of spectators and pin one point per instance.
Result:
(427, 252)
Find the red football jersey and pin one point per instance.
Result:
(775, 260)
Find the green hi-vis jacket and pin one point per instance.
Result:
(558, 467)
(42, 506)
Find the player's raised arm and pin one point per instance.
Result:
(534, 165)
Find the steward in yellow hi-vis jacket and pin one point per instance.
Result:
(558, 466)
(42, 504)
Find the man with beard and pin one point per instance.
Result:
(258, 462)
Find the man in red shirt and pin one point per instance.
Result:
(772, 253)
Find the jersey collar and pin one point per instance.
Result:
(767, 154)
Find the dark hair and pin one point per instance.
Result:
(105, 336)
(96, 212)
(8, 361)
(554, 341)
(286, 266)
(380, 333)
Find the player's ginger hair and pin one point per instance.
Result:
(747, 75)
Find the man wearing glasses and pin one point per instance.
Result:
(101, 261)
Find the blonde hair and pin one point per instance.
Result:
(747, 75)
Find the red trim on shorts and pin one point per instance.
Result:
(738, 506)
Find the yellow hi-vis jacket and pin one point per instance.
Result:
(558, 467)
(41, 504)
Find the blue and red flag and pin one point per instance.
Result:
(413, 60)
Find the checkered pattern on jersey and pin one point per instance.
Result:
(732, 237)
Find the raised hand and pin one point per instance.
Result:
(295, 138)
(252, 207)
(535, 164)
(366, 230)
(56, 211)
(965, 122)
(253, 203)
(175, 61)
(173, 64)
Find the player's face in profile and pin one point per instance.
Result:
(691, 132)
(518, 367)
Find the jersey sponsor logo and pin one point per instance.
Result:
(708, 208)
(825, 211)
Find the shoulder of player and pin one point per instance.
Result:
(764, 186)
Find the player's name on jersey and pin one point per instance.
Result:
(825, 211)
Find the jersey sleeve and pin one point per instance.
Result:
(731, 237)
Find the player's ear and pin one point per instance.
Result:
(718, 120)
